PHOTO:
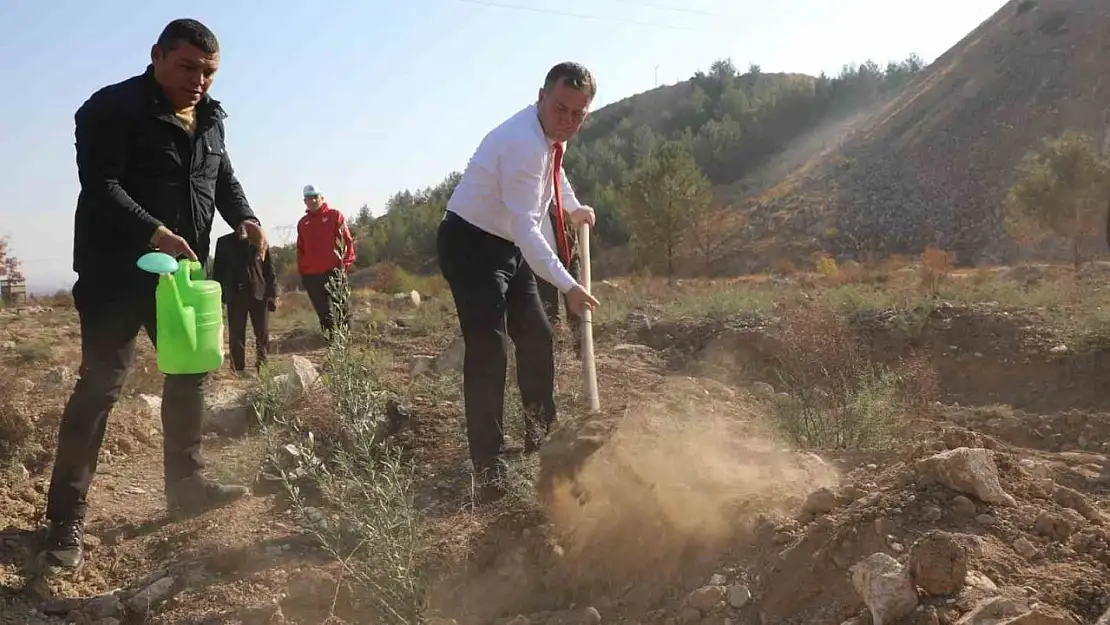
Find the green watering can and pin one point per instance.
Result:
(190, 319)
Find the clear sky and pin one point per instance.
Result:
(364, 98)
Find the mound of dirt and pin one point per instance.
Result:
(1041, 541)
(933, 165)
(966, 526)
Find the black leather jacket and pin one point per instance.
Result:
(139, 168)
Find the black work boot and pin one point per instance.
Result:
(64, 546)
(491, 482)
(536, 431)
(195, 495)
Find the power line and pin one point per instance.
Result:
(585, 16)
(664, 7)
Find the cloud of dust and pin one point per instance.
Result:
(674, 484)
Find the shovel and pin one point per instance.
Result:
(589, 365)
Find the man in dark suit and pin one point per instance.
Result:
(154, 171)
(249, 290)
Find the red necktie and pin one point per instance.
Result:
(560, 228)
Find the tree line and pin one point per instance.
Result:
(649, 172)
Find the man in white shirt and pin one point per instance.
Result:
(489, 244)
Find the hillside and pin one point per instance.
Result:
(874, 161)
(933, 165)
(732, 123)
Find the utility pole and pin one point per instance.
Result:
(656, 75)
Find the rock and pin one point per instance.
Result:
(232, 420)
(979, 581)
(738, 596)
(315, 519)
(706, 597)
(994, 611)
(412, 298)
(819, 502)
(1008, 611)
(1054, 526)
(590, 616)
(146, 599)
(1034, 468)
(1059, 349)
(1025, 548)
(938, 563)
(886, 587)
(108, 621)
(102, 607)
(303, 376)
(153, 403)
(520, 619)
(763, 389)
(986, 520)
(1076, 501)
(968, 471)
(954, 438)
(963, 506)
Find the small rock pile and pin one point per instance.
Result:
(992, 539)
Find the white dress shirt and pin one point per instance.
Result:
(506, 190)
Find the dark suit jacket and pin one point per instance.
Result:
(237, 268)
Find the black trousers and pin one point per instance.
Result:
(108, 333)
(240, 307)
(550, 296)
(323, 302)
(496, 298)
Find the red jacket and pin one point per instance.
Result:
(324, 242)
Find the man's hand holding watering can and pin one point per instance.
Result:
(257, 236)
(166, 241)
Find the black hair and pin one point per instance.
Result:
(572, 75)
(188, 31)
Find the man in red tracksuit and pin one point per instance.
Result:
(324, 248)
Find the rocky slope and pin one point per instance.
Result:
(933, 165)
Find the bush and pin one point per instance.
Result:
(935, 269)
(837, 397)
(335, 453)
(826, 265)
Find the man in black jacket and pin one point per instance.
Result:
(249, 288)
(153, 171)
